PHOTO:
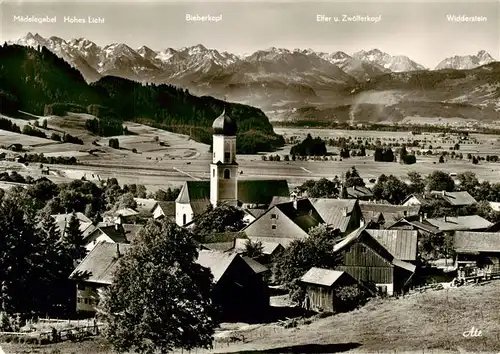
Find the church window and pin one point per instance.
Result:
(227, 174)
(227, 156)
(273, 227)
(184, 219)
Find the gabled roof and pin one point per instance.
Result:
(455, 223)
(126, 212)
(467, 241)
(256, 266)
(168, 207)
(335, 212)
(261, 191)
(217, 262)
(279, 200)
(418, 225)
(419, 197)
(461, 198)
(346, 241)
(321, 276)
(359, 192)
(402, 244)
(86, 227)
(114, 232)
(390, 213)
(255, 212)
(194, 190)
(100, 263)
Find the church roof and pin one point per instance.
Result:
(224, 125)
(197, 193)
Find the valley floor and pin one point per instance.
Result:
(431, 322)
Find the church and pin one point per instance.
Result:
(254, 196)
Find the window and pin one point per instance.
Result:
(363, 250)
(273, 227)
(273, 216)
(81, 287)
(213, 172)
(227, 174)
(86, 301)
(227, 156)
(214, 155)
(184, 219)
(405, 213)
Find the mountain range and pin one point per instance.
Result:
(276, 80)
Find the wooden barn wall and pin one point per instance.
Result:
(364, 264)
(321, 298)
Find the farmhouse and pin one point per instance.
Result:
(239, 291)
(224, 186)
(110, 233)
(320, 285)
(122, 216)
(62, 220)
(342, 214)
(454, 199)
(459, 223)
(477, 249)
(358, 192)
(372, 265)
(402, 244)
(388, 214)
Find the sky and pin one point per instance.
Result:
(420, 30)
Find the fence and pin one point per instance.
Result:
(478, 274)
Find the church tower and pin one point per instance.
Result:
(224, 169)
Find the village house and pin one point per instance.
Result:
(477, 249)
(402, 244)
(145, 207)
(452, 199)
(387, 214)
(360, 193)
(62, 220)
(105, 232)
(224, 185)
(239, 290)
(320, 285)
(450, 224)
(372, 265)
(122, 216)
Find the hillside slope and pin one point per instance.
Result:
(36, 81)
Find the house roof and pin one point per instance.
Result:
(419, 197)
(390, 213)
(349, 238)
(167, 207)
(467, 241)
(405, 265)
(461, 198)
(495, 206)
(455, 223)
(197, 193)
(402, 244)
(261, 191)
(419, 225)
(494, 228)
(219, 246)
(255, 212)
(100, 263)
(283, 241)
(145, 205)
(321, 276)
(359, 192)
(115, 232)
(335, 212)
(126, 212)
(86, 227)
(256, 266)
(224, 125)
(279, 200)
(218, 262)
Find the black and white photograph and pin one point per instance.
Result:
(236, 176)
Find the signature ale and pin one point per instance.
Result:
(473, 332)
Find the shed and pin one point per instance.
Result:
(320, 285)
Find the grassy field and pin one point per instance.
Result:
(432, 322)
(161, 159)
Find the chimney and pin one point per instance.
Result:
(295, 204)
(116, 227)
(421, 217)
(118, 255)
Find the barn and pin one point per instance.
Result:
(320, 285)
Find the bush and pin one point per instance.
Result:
(55, 137)
(114, 143)
(350, 297)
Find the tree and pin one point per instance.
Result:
(114, 143)
(125, 201)
(417, 183)
(440, 181)
(323, 188)
(302, 255)
(353, 179)
(441, 159)
(44, 124)
(254, 249)
(390, 188)
(223, 218)
(467, 181)
(160, 298)
(402, 155)
(73, 239)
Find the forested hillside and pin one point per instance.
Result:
(37, 81)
